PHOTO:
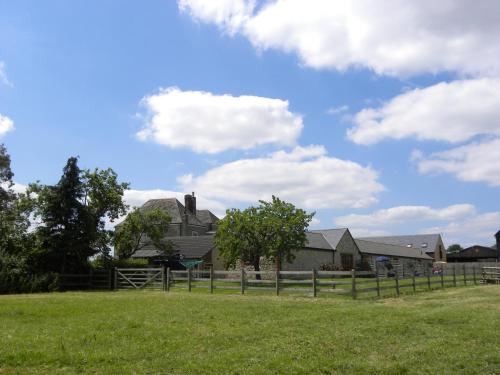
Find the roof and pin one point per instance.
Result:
(474, 252)
(206, 217)
(377, 248)
(428, 242)
(187, 247)
(332, 236)
(173, 207)
(317, 241)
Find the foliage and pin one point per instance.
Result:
(450, 331)
(143, 228)
(105, 263)
(73, 214)
(273, 230)
(453, 249)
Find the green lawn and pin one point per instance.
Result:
(451, 331)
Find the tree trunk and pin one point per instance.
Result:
(256, 267)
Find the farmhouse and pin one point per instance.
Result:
(431, 244)
(478, 253)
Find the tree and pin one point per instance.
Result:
(453, 249)
(240, 237)
(142, 228)
(73, 214)
(272, 230)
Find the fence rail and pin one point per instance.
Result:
(350, 283)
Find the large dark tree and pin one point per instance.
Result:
(72, 215)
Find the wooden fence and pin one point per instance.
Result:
(349, 283)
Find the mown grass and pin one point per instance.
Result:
(450, 331)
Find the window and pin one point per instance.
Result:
(424, 245)
(347, 261)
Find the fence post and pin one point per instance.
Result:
(314, 283)
(91, 278)
(211, 282)
(242, 281)
(116, 278)
(277, 281)
(429, 279)
(474, 274)
(454, 275)
(442, 277)
(110, 278)
(377, 279)
(168, 279)
(163, 281)
(465, 275)
(353, 277)
(396, 278)
(413, 282)
(189, 279)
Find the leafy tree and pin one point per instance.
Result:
(240, 237)
(284, 228)
(272, 230)
(142, 228)
(453, 249)
(73, 214)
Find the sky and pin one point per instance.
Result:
(383, 117)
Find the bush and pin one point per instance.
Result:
(106, 263)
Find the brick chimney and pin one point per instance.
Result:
(497, 236)
(190, 203)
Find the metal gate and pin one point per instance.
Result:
(139, 278)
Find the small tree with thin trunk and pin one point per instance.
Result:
(143, 228)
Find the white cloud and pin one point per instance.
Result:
(3, 75)
(461, 223)
(211, 123)
(396, 215)
(451, 112)
(6, 125)
(477, 162)
(386, 36)
(337, 110)
(306, 176)
(475, 230)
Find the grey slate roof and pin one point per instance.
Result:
(416, 241)
(377, 248)
(317, 241)
(332, 236)
(206, 217)
(195, 247)
(173, 207)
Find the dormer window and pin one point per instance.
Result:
(424, 245)
(409, 245)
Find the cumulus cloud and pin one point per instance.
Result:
(306, 176)
(475, 162)
(460, 223)
(420, 37)
(6, 125)
(451, 112)
(209, 123)
(396, 215)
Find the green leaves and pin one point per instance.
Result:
(272, 230)
(142, 228)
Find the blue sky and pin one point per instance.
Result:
(388, 127)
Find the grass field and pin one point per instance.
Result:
(451, 331)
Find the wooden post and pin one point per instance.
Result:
(429, 279)
(168, 279)
(116, 286)
(163, 278)
(211, 282)
(277, 281)
(377, 279)
(413, 282)
(442, 277)
(189, 279)
(465, 275)
(314, 283)
(454, 275)
(353, 277)
(91, 278)
(474, 274)
(242, 281)
(396, 278)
